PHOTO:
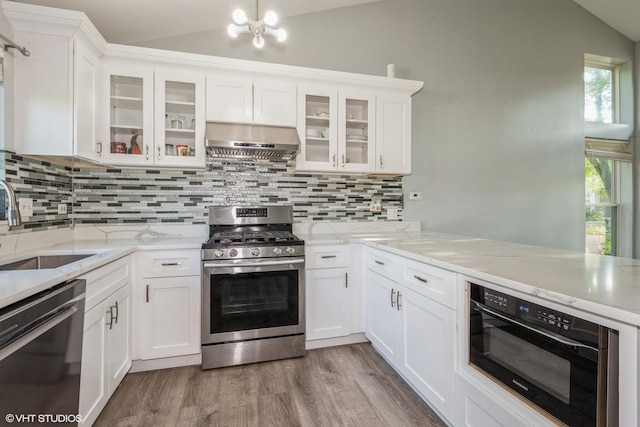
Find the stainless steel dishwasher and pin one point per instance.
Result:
(40, 356)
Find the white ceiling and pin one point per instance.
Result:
(623, 15)
(130, 21)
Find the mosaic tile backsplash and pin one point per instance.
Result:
(47, 184)
(137, 196)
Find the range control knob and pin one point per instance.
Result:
(277, 251)
(255, 251)
(291, 251)
(218, 253)
(233, 252)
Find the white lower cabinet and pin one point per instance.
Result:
(169, 303)
(328, 302)
(329, 292)
(427, 359)
(106, 347)
(413, 332)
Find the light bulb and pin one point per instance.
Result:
(282, 35)
(232, 30)
(258, 41)
(239, 17)
(271, 18)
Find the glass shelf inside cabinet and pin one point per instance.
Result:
(317, 128)
(180, 119)
(126, 119)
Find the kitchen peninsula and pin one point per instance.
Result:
(596, 287)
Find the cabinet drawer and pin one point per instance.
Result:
(382, 263)
(105, 280)
(169, 263)
(327, 256)
(432, 282)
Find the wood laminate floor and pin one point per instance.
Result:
(337, 386)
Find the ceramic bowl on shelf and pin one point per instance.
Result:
(323, 114)
(314, 133)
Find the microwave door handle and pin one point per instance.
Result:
(557, 338)
(253, 263)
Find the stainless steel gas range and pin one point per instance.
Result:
(252, 287)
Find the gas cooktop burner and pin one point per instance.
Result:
(256, 232)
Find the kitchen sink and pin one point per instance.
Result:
(43, 262)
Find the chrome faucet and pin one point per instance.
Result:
(13, 213)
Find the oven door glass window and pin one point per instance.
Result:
(247, 301)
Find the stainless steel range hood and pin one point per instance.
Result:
(242, 141)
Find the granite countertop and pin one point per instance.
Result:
(17, 285)
(602, 285)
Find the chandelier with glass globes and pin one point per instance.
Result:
(266, 26)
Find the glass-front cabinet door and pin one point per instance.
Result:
(336, 129)
(127, 136)
(356, 132)
(317, 129)
(179, 120)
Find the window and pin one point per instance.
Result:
(607, 164)
(598, 94)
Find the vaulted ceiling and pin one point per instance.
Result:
(130, 21)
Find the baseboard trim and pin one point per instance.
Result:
(332, 342)
(165, 363)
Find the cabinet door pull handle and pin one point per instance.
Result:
(327, 256)
(379, 262)
(147, 293)
(398, 305)
(110, 313)
(346, 280)
(381, 161)
(334, 160)
(99, 148)
(117, 312)
(170, 264)
(146, 150)
(343, 160)
(159, 151)
(393, 294)
(421, 279)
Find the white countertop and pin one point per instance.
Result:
(17, 285)
(603, 285)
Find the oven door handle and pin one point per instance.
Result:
(555, 337)
(253, 263)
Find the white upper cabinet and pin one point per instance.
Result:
(336, 129)
(126, 128)
(250, 100)
(152, 117)
(393, 134)
(356, 131)
(179, 119)
(55, 87)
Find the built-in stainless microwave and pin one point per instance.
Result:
(564, 365)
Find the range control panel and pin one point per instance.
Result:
(251, 213)
(509, 311)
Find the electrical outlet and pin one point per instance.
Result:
(62, 208)
(392, 213)
(375, 207)
(415, 195)
(26, 206)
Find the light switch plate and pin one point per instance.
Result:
(375, 207)
(62, 208)
(392, 213)
(415, 195)
(25, 205)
